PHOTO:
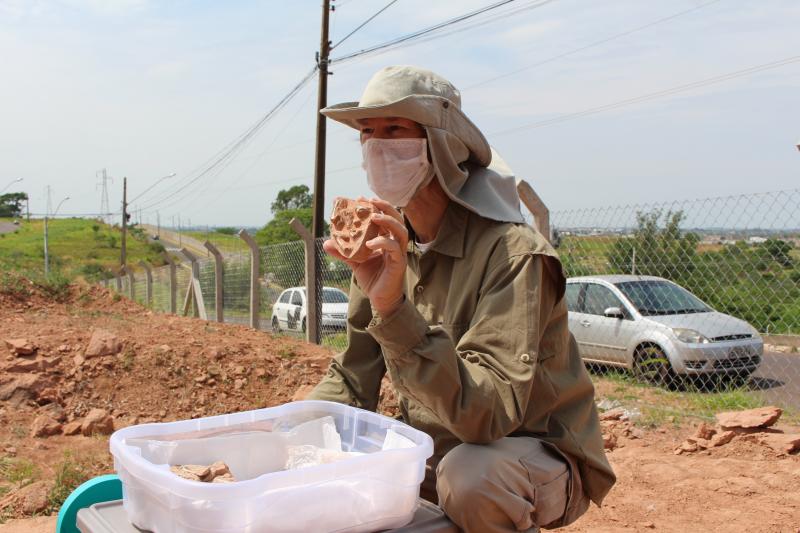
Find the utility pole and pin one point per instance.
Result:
(122, 257)
(180, 236)
(318, 225)
(158, 223)
(46, 253)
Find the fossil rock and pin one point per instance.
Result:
(352, 227)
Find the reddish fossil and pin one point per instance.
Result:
(352, 227)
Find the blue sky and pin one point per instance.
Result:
(146, 88)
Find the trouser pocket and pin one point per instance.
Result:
(549, 477)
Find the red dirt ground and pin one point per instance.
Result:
(172, 368)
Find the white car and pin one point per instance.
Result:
(658, 329)
(290, 310)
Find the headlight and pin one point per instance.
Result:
(690, 336)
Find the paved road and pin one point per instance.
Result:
(778, 379)
(8, 227)
(172, 241)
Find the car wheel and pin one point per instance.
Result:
(276, 326)
(651, 365)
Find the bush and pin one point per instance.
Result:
(93, 271)
(156, 247)
(56, 285)
(227, 231)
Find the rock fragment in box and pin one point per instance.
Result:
(215, 473)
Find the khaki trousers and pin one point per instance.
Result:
(513, 484)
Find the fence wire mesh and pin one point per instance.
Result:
(678, 308)
(698, 301)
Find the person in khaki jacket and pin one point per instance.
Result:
(463, 305)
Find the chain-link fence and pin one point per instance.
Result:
(697, 301)
(676, 307)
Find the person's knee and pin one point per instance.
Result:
(468, 492)
(514, 484)
(459, 474)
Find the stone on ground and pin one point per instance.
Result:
(761, 417)
(103, 343)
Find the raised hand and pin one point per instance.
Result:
(381, 277)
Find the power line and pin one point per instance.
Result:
(651, 96)
(228, 153)
(414, 36)
(263, 152)
(591, 45)
(384, 8)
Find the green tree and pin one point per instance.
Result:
(656, 249)
(297, 197)
(779, 251)
(285, 260)
(11, 204)
(278, 230)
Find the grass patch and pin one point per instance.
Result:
(18, 472)
(659, 406)
(70, 473)
(127, 359)
(335, 340)
(77, 248)
(14, 285)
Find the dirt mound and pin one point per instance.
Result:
(90, 362)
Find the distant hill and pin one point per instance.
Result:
(77, 247)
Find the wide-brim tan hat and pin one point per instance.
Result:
(419, 95)
(460, 153)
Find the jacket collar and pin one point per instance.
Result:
(452, 233)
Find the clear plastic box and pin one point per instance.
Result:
(358, 493)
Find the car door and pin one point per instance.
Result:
(281, 306)
(294, 310)
(572, 295)
(605, 338)
(578, 321)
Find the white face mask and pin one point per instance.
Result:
(397, 168)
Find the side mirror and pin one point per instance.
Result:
(614, 312)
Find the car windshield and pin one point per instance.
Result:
(654, 297)
(332, 296)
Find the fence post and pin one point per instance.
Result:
(194, 291)
(541, 215)
(118, 277)
(173, 284)
(149, 284)
(131, 282)
(219, 272)
(312, 315)
(255, 286)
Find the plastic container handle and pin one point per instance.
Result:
(96, 490)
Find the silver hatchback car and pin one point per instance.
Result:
(658, 329)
